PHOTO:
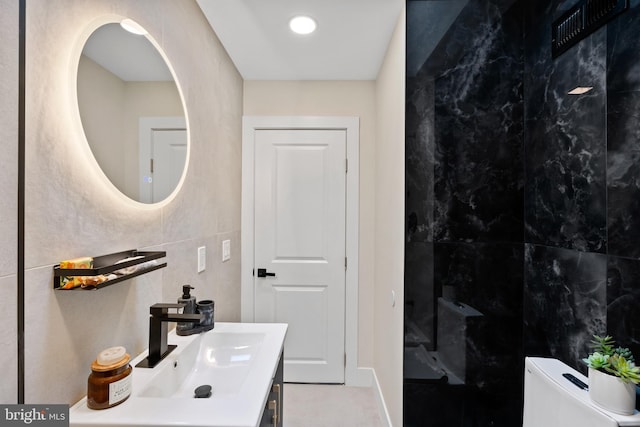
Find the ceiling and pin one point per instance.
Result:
(349, 44)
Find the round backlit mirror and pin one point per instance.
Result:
(132, 113)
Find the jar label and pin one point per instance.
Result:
(119, 390)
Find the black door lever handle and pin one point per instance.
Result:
(262, 272)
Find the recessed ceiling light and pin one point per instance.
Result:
(302, 25)
(580, 90)
(133, 27)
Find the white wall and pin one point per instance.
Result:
(71, 211)
(334, 98)
(9, 195)
(101, 97)
(389, 223)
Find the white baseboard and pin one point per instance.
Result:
(359, 377)
(366, 377)
(382, 407)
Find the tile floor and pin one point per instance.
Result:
(320, 405)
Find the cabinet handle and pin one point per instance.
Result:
(273, 406)
(276, 416)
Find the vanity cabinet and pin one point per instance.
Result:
(248, 359)
(272, 414)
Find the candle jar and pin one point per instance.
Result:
(109, 383)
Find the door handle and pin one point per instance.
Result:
(262, 272)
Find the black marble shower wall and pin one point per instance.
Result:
(582, 187)
(522, 205)
(565, 191)
(623, 178)
(465, 222)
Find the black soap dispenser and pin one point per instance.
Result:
(189, 302)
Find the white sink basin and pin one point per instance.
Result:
(238, 360)
(222, 360)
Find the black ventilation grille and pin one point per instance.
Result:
(582, 20)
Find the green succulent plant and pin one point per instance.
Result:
(603, 345)
(615, 361)
(597, 360)
(624, 352)
(627, 371)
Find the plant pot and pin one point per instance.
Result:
(611, 393)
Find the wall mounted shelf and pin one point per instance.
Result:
(107, 264)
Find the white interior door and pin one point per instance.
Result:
(169, 154)
(300, 239)
(165, 153)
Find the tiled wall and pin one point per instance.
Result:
(521, 203)
(464, 253)
(71, 211)
(565, 193)
(623, 171)
(581, 187)
(9, 197)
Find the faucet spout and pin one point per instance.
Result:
(160, 312)
(158, 329)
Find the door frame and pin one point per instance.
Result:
(250, 124)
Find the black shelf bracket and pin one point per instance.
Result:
(107, 264)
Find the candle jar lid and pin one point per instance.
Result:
(110, 359)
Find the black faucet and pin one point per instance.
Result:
(158, 348)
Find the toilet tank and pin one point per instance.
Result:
(551, 400)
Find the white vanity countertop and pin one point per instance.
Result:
(242, 408)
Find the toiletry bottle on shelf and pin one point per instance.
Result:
(190, 307)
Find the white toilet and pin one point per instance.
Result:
(551, 400)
